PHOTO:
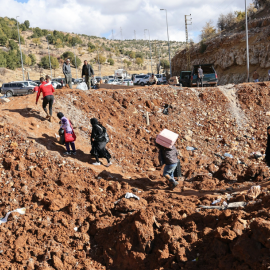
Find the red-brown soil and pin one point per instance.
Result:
(76, 214)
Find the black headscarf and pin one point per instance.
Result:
(94, 121)
(60, 115)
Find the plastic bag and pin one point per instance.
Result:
(82, 86)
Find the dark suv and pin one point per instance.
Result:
(210, 77)
(16, 89)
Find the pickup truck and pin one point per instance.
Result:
(184, 78)
(210, 77)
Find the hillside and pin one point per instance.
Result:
(123, 53)
(76, 214)
(227, 51)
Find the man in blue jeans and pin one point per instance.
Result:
(168, 157)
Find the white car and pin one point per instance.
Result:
(143, 81)
(137, 78)
(127, 82)
(161, 78)
(114, 82)
(55, 84)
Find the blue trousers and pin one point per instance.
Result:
(169, 170)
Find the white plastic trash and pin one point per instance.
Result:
(82, 86)
(20, 211)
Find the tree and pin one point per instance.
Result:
(45, 62)
(3, 40)
(13, 45)
(54, 64)
(77, 62)
(33, 58)
(36, 41)
(165, 64)
(221, 24)
(3, 59)
(27, 61)
(128, 63)
(139, 55)
(68, 55)
(139, 61)
(58, 43)
(27, 24)
(132, 55)
(100, 59)
(208, 30)
(110, 61)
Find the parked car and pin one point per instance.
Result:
(16, 88)
(143, 81)
(98, 78)
(56, 85)
(137, 78)
(114, 82)
(127, 82)
(210, 77)
(27, 83)
(161, 78)
(77, 81)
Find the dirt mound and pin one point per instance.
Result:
(77, 215)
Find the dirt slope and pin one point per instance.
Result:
(76, 214)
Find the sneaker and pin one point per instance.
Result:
(174, 185)
(67, 153)
(109, 164)
(73, 153)
(96, 163)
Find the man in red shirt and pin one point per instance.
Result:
(47, 90)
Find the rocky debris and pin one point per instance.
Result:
(77, 218)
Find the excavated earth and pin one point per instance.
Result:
(77, 216)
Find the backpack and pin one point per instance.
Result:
(104, 135)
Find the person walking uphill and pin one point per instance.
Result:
(168, 156)
(67, 73)
(70, 136)
(99, 139)
(88, 72)
(47, 90)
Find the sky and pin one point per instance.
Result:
(99, 18)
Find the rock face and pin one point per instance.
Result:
(228, 54)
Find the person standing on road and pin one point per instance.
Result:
(168, 157)
(153, 80)
(255, 76)
(99, 141)
(88, 72)
(47, 91)
(67, 73)
(67, 127)
(200, 77)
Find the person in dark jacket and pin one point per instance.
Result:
(98, 141)
(88, 72)
(267, 151)
(168, 157)
(66, 125)
(67, 73)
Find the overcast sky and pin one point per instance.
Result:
(99, 17)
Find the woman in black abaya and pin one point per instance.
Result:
(98, 141)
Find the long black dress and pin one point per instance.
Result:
(99, 144)
(267, 151)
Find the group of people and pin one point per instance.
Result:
(87, 72)
(99, 136)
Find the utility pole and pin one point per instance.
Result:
(49, 54)
(121, 40)
(247, 47)
(150, 50)
(75, 61)
(146, 53)
(20, 46)
(187, 22)
(159, 60)
(169, 49)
